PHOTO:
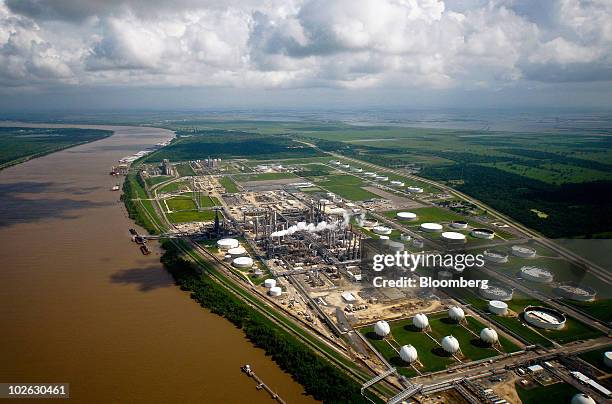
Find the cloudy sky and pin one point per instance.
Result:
(216, 53)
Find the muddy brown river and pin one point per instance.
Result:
(80, 304)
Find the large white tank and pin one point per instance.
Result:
(415, 190)
(608, 359)
(459, 224)
(582, 398)
(420, 321)
(498, 307)
(494, 256)
(227, 243)
(523, 251)
(483, 233)
(450, 344)
(456, 313)
(536, 274)
(489, 336)
(237, 252)
(381, 328)
(270, 283)
(406, 216)
(431, 227)
(275, 291)
(397, 183)
(453, 237)
(408, 353)
(243, 262)
(382, 230)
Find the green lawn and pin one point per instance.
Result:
(345, 186)
(191, 216)
(228, 184)
(175, 204)
(207, 201)
(152, 181)
(173, 187)
(263, 176)
(184, 169)
(556, 393)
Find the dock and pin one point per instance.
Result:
(260, 384)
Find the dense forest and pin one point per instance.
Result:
(218, 143)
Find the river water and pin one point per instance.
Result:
(80, 304)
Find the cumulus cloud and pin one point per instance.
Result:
(304, 43)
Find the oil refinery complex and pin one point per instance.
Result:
(302, 246)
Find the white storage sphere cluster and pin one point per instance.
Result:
(450, 344)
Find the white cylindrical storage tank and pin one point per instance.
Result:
(406, 237)
(608, 359)
(395, 246)
(227, 243)
(496, 257)
(408, 353)
(489, 336)
(275, 291)
(228, 258)
(420, 321)
(450, 344)
(406, 216)
(498, 307)
(456, 313)
(523, 251)
(582, 398)
(416, 243)
(243, 262)
(415, 190)
(270, 283)
(536, 274)
(383, 237)
(381, 328)
(431, 227)
(459, 224)
(483, 233)
(453, 237)
(237, 252)
(382, 230)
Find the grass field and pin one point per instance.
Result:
(595, 358)
(430, 353)
(174, 187)
(263, 176)
(345, 186)
(191, 216)
(152, 181)
(175, 204)
(556, 393)
(228, 184)
(207, 201)
(184, 169)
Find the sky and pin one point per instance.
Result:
(161, 54)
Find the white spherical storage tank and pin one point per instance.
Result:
(243, 262)
(456, 313)
(237, 252)
(381, 328)
(450, 344)
(498, 307)
(227, 243)
(489, 336)
(275, 291)
(408, 353)
(453, 237)
(420, 321)
(582, 398)
(406, 216)
(431, 227)
(270, 283)
(382, 230)
(608, 359)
